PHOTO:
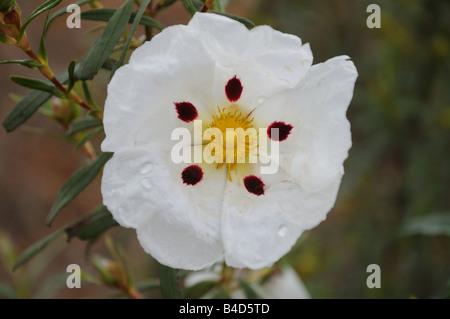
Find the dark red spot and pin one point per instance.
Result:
(233, 89)
(191, 175)
(254, 185)
(283, 131)
(186, 111)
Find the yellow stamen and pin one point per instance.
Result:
(236, 145)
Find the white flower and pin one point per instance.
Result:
(192, 215)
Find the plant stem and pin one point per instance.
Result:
(48, 73)
(208, 4)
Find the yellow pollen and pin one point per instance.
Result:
(237, 142)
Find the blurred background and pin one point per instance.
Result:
(393, 208)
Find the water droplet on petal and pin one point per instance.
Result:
(146, 168)
(146, 183)
(282, 231)
(261, 99)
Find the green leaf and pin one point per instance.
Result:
(72, 80)
(28, 63)
(140, 12)
(84, 123)
(28, 106)
(36, 247)
(37, 85)
(190, 7)
(100, 51)
(169, 283)
(200, 289)
(24, 109)
(242, 20)
(87, 93)
(431, 225)
(92, 225)
(63, 11)
(39, 10)
(76, 183)
(250, 293)
(42, 53)
(105, 14)
(87, 137)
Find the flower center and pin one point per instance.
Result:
(239, 139)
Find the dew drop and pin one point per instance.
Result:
(282, 231)
(261, 99)
(146, 168)
(146, 183)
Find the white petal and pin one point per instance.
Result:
(143, 189)
(175, 244)
(320, 139)
(257, 230)
(267, 61)
(141, 95)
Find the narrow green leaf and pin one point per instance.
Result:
(105, 14)
(27, 106)
(87, 93)
(431, 225)
(250, 293)
(100, 51)
(76, 183)
(39, 10)
(24, 109)
(169, 283)
(28, 63)
(63, 11)
(42, 53)
(242, 20)
(72, 80)
(87, 137)
(36, 247)
(137, 19)
(190, 7)
(218, 6)
(200, 289)
(37, 85)
(92, 226)
(84, 123)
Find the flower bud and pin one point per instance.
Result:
(13, 17)
(10, 26)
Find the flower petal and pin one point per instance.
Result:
(265, 60)
(320, 138)
(142, 95)
(143, 189)
(173, 243)
(258, 230)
